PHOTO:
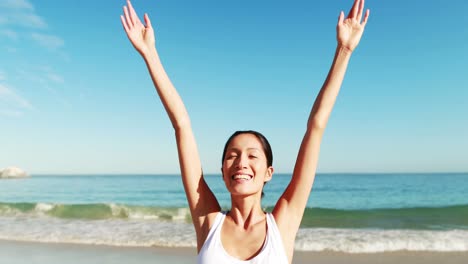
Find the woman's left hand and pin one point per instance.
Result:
(141, 36)
(349, 30)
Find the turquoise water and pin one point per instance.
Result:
(368, 212)
(337, 191)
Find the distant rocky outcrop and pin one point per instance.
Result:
(12, 172)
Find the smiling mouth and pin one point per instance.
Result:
(242, 177)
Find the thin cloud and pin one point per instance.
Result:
(13, 102)
(9, 34)
(44, 77)
(41, 76)
(55, 78)
(20, 20)
(16, 4)
(29, 20)
(49, 41)
(20, 13)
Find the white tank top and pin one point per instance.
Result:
(272, 251)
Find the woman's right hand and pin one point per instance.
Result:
(351, 28)
(141, 36)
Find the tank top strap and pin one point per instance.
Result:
(212, 240)
(216, 224)
(276, 241)
(273, 228)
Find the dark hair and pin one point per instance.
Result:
(265, 144)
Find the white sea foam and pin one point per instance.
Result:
(99, 232)
(8, 211)
(372, 241)
(43, 207)
(146, 213)
(118, 209)
(146, 233)
(39, 209)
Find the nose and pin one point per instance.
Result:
(241, 162)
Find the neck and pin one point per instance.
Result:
(246, 211)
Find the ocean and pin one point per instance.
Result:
(353, 213)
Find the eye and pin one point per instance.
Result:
(253, 156)
(231, 156)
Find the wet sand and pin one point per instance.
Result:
(13, 252)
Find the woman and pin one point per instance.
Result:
(246, 234)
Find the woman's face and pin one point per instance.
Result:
(245, 167)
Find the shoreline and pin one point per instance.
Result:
(19, 252)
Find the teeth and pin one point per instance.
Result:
(241, 176)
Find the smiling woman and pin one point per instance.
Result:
(247, 160)
(262, 152)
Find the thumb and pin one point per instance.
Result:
(147, 21)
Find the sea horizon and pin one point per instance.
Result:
(214, 173)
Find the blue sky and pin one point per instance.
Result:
(76, 98)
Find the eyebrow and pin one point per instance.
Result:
(237, 149)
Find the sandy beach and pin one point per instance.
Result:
(13, 252)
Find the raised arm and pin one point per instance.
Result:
(200, 198)
(289, 210)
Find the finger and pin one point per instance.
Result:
(124, 24)
(127, 18)
(361, 8)
(147, 21)
(353, 11)
(366, 16)
(341, 18)
(133, 14)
